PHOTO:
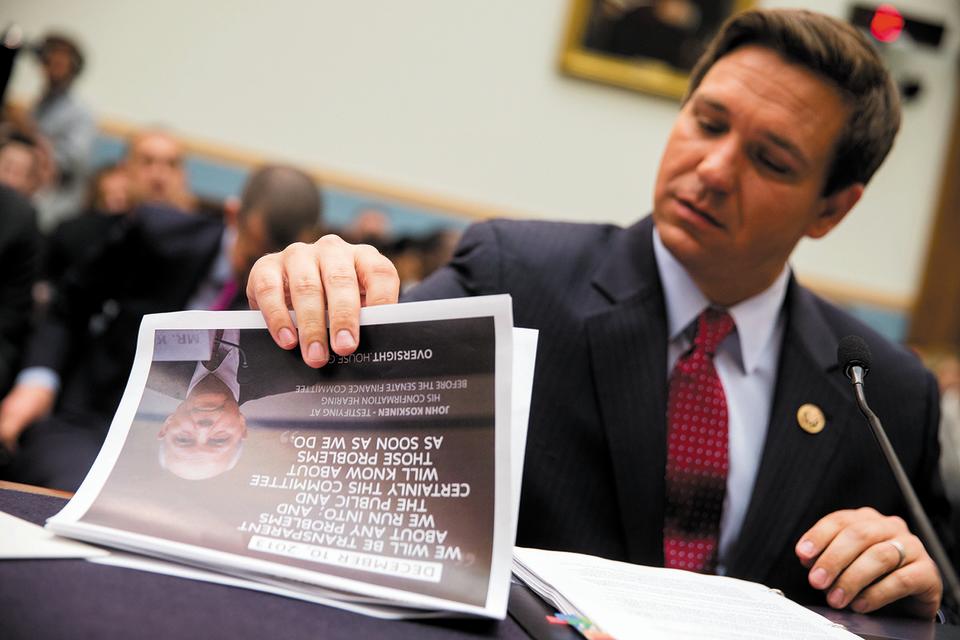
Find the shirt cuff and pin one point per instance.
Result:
(40, 377)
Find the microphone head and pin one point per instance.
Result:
(853, 352)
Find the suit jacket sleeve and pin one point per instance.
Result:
(80, 294)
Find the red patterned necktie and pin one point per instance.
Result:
(697, 459)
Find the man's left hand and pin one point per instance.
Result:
(866, 560)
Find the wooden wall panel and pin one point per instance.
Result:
(935, 320)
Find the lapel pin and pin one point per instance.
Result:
(811, 418)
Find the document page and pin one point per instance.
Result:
(631, 601)
(524, 356)
(385, 474)
(21, 539)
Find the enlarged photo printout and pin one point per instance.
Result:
(378, 472)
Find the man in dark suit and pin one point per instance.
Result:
(19, 268)
(788, 115)
(102, 276)
(203, 437)
(159, 259)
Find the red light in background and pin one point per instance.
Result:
(887, 23)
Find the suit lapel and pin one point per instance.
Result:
(627, 342)
(793, 461)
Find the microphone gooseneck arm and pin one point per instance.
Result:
(925, 529)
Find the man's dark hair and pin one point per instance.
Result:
(287, 199)
(838, 52)
(66, 42)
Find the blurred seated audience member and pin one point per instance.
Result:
(19, 263)
(65, 131)
(76, 238)
(20, 164)
(159, 259)
(152, 174)
(406, 256)
(437, 249)
(155, 170)
(370, 225)
(417, 257)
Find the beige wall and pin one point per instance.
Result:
(460, 99)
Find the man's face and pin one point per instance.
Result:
(58, 65)
(113, 192)
(202, 437)
(19, 168)
(742, 176)
(155, 170)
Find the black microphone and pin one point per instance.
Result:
(853, 354)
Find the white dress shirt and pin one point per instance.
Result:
(228, 368)
(746, 362)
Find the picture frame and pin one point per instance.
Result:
(642, 45)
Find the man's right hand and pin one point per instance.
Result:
(24, 405)
(327, 278)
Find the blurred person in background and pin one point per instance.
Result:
(416, 257)
(437, 249)
(155, 171)
(370, 225)
(76, 238)
(405, 254)
(151, 174)
(19, 263)
(65, 131)
(158, 259)
(20, 164)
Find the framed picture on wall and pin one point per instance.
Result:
(644, 45)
